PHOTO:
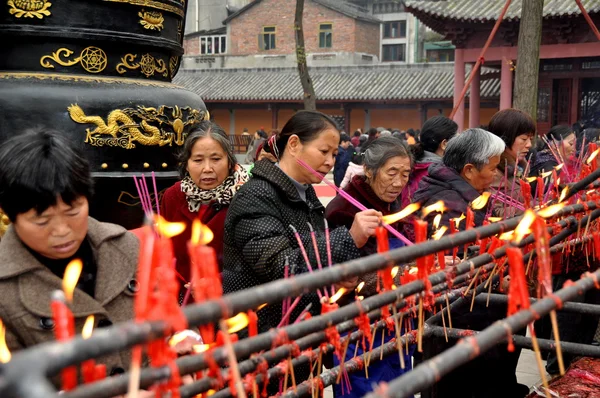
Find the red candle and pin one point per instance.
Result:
(470, 223)
(252, 323)
(540, 190)
(542, 247)
(100, 372)
(145, 264)
(518, 297)
(88, 368)
(327, 307)
(526, 193)
(383, 246)
(420, 237)
(452, 232)
(64, 330)
(592, 147)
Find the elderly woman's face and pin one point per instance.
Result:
(481, 179)
(208, 164)
(391, 178)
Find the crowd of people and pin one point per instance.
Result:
(260, 219)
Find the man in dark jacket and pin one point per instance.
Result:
(345, 152)
(467, 170)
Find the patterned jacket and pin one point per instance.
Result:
(258, 237)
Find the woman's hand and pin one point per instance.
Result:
(364, 226)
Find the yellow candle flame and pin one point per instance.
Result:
(524, 227)
(360, 286)
(395, 271)
(481, 201)
(531, 179)
(237, 323)
(361, 297)
(494, 219)
(436, 221)
(88, 327)
(168, 229)
(72, 273)
(260, 307)
(439, 233)
(458, 220)
(200, 348)
(201, 234)
(437, 206)
(592, 156)
(407, 211)
(550, 211)
(563, 194)
(5, 355)
(337, 295)
(413, 270)
(546, 174)
(507, 235)
(560, 166)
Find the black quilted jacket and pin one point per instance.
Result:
(258, 237)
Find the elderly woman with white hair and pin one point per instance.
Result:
(467, 170)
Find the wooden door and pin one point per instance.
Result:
(544, 106)
(562, 101)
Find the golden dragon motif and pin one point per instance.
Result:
(125, 127)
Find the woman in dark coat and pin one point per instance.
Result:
(259, 238)
(210, 177)
(387, 165)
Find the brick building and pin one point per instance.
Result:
(261, 34)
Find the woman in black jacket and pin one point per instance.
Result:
(259, 237)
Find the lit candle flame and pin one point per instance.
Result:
(200, 348)
(407, 211)
(592, 156)
(494, 219)
(480, 202)
(88, 327)
(237, 323)
(439, 233)
(524, 227)
(260, 307)
(337, 295)
(531, 179)
(168, 229)
(507, 235)
(72, 273)
(413, 271)
(437, 206)
(4, 351)
(563, 194)
(361, 298)
(360, 286)
(560, 166)
(550, 211)
(395, 271)
(436, 220)
(201, 234)
(458, 220)
(546, 174)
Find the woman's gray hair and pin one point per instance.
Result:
(473, 146)
(206, 129)
(379, 151)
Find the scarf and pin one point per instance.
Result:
(222, 194)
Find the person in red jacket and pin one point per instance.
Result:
(210, 176)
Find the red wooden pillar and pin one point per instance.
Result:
(459, 83)
(475, 100)
(506, 82)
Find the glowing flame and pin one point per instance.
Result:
(437, 206)
(4, 351)
(436, 221)
(546, 174)
(558, 181)
(564, 193)
(560, 166)
(549, 211)
(395, 271)
(201, 234)
(237, 323)
(407, 211)
(507, 235)
(200, 348)
(88, 327)
(458, 220)
(524, 227)
(481, 201)
(337, 295)
(260, 307)
(439, 233)
(72, 273)
(592, 156)
(168, 229)
(361, 298)
(177, 338)
(360, 286)
(531, 179)
(413, 271)
(494, 219)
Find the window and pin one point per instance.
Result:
(210, 45)
(394, 52)
(267, 39)
(325, 35)
(394, 30)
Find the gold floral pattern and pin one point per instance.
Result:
(147, 64)
(152, 20)
(29, 8)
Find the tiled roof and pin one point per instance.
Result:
(340, 6)
(485, 10)
(375, 83)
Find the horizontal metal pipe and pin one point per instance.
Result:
(578, 308)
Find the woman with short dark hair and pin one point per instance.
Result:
(210, 177)
(45, 188)
(516, 128)
(279, 199)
